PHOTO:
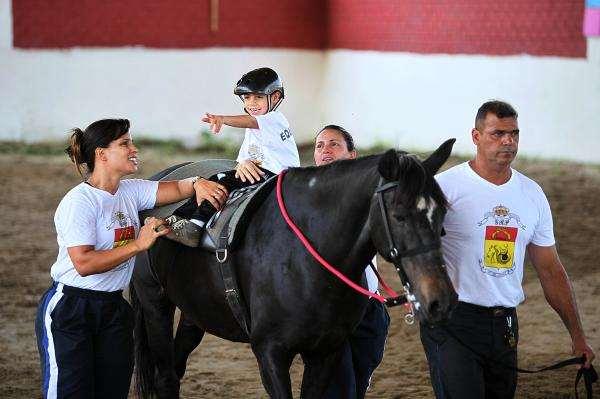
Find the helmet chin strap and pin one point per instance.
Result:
(270, 106)
(276, 105)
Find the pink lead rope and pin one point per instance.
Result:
(319, 258)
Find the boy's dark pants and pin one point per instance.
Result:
(204, 211)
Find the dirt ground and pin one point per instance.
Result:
(32, 186)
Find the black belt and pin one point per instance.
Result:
(85, 293)
(493, 311)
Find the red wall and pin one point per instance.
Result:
(167, 23)
(495, 27)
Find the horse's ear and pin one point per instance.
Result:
(389, 165)
(438, 157)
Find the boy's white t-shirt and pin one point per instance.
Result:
(488, 228)
(272, 145)
(90, 216)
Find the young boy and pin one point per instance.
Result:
(267, 149)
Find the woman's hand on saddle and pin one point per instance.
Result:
(216, 122)
(248, 171)
(150, 231)
(211, 191)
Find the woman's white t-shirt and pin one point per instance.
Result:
(90, 216)
(272, 145)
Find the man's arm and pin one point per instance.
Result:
(559, 294)
(217, 121)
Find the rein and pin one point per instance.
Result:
(406, 298)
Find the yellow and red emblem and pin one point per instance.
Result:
(123, 236)
(499, 246)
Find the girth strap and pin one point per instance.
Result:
(233, 296)
(232, 292)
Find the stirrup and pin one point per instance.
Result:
(183, 231)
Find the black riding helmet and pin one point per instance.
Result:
(260, 81)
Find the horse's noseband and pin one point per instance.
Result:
(396, 256)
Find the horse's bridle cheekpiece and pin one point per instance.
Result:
(395, 255)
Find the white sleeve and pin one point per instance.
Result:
(144, 192)
(273, 125)
(544, 230)
(75, 220)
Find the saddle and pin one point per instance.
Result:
(226, 227)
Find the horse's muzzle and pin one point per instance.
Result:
(437, 301)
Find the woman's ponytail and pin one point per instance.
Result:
(74, 150)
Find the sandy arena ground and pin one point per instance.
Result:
(32, 186)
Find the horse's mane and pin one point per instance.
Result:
(414, 178)
(343, 172)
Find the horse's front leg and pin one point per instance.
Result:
(187, 338)
(318, 374)
(274, 362)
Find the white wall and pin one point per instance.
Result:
(163, 93)
(408, 100)
(416, 101)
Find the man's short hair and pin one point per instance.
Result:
(347, 136)
(499, 108)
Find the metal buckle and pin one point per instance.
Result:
(221, 255)
(409, 318)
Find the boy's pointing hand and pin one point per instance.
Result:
(216, 122)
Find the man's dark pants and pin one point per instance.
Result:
(486, 370)
(362, 353)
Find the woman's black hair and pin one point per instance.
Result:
(83, 143)
(347, 136)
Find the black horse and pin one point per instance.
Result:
(294, 305)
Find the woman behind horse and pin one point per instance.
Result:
(83, 324)
(363, 350)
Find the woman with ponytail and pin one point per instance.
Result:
(83, 324)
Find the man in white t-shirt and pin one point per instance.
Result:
(496, 215)
(267, 149)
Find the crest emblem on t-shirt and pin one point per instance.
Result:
(121, 218)
(256, 153)
(499, 242)
(125, 233)
(502, 216)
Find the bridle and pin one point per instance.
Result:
(395, 299)
(394, 254)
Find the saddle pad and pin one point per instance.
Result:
(228, 225)
(205, 168)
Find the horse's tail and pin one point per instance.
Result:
(145, 365)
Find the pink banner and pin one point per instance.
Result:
(591, 22)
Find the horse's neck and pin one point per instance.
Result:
(331, 205)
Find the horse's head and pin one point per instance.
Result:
(406, 218)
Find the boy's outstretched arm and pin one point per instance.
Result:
(217, 121)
